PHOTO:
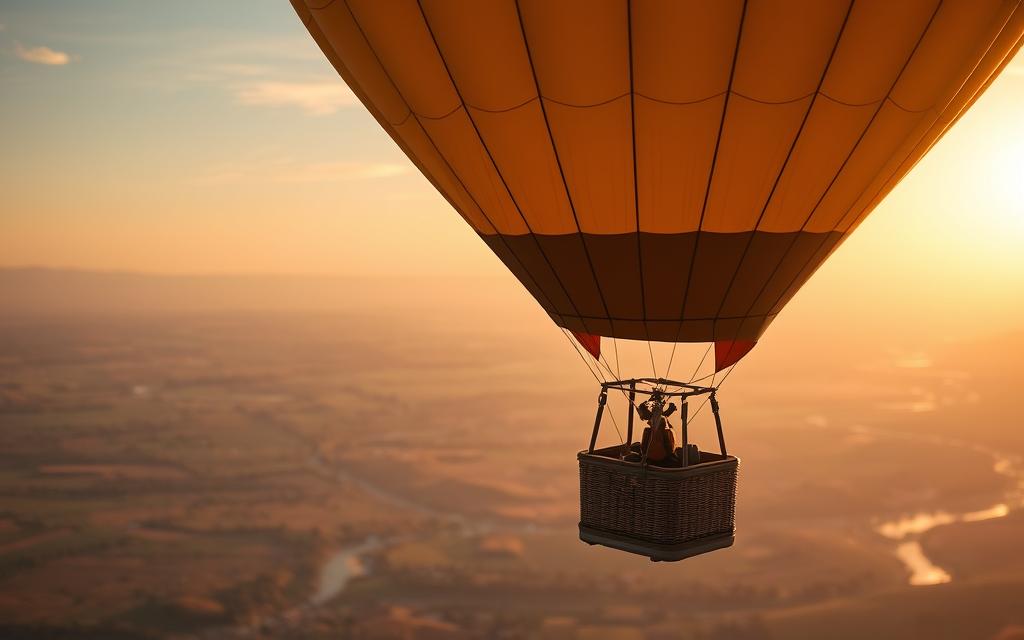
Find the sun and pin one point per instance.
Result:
(1005, 168)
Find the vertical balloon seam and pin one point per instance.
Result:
(433, 144)
(497, 170)
(839, 171)
(711, 172)
(938, 116)
(1011, 52)
(558, 162)
(349, 78)
(743, 257)
(636, 179)
(867, 210)
(789, 155)
(918, 156)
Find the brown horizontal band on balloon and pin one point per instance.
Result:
(569, 168)
(690, 330)
(642, 277)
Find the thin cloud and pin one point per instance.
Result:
(318, 98)
(266, 71)
(41, 55)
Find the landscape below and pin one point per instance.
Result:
(344, 473)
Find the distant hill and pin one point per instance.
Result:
(35, 291)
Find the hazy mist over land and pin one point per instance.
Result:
(64, 291)
(249, 456)
(259, 380)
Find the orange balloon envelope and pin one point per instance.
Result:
(665, 170)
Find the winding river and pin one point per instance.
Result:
(341, 567)
(348, 563)
(906, 531)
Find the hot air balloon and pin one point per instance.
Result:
(664, 170)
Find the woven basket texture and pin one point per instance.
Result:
(665, 508)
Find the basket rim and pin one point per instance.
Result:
(670, 473)
(657, 550)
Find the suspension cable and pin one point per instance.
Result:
(671, 357)
(599, 363)
(602, 365)
(707, 398)
(580, 353)
(618, 368)
(600, 379)
(701, 363)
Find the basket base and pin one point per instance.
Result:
(655, 551)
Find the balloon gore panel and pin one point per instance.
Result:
(665, 170)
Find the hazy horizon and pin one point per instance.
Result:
(259, 380)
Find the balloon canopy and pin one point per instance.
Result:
(665, 170)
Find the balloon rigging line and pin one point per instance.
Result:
(600, 380)
(937, 117)
(668, 369)
(701, 363)
(632, 402)
(707, 398)
(604, 364)
(611, 413)
(611, 374)
(608, 366)
(671, 357)
(702, 378)
(618, 369)
(598, 375)
(582, 357)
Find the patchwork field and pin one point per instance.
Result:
(300, 475)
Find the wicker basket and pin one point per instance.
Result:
(663, 513)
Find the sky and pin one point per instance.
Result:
(197, 137)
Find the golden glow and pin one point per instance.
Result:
(105, 166)
(1003, 165)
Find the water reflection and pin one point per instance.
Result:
(341, 568)
(919, 523)
(915, 524)
(997, 511)
(908, 529)
(922, 571)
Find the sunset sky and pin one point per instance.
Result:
(213, 137)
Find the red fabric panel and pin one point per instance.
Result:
(590, 342)
(729, 352)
